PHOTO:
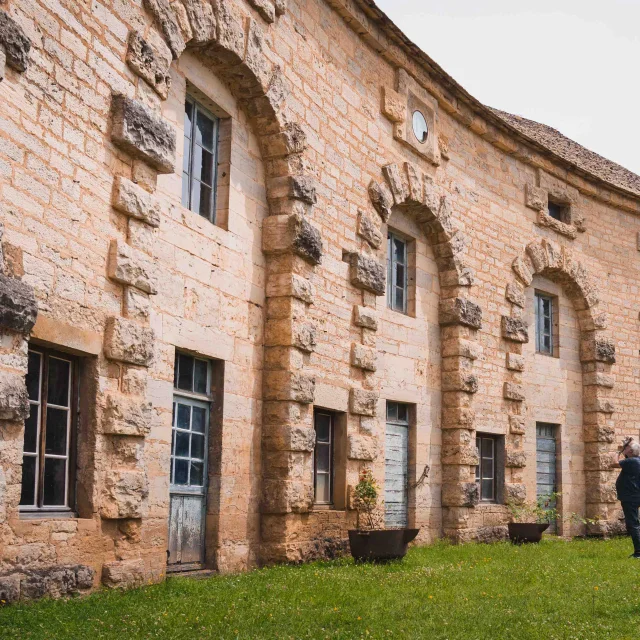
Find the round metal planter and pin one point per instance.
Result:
(520, 532)
(380, 544)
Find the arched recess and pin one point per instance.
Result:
(406, 188)
(234, 46)
(597, 354)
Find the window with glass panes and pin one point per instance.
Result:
(397, 287)
(323, 457)
(200, 159)
(47, 459)
(191, 409)
(544, 323)
(486, 470)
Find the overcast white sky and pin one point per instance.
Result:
(571, 64)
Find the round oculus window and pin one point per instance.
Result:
(420, 127)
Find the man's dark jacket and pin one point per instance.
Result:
(628, 482)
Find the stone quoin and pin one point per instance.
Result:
(249, 248)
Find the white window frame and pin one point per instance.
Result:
(541, 333)
(392, 273)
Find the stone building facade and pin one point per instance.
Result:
(201, 202)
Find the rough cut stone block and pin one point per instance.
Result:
(458, 418)
(291, 332)
(515, 493)
(9, 589)
(126, 416)
(291, 140)
(362, 448)
(394, 105)
(289, 385)
(515, 294)
(134, 201)
(265, 8)
(289, 438)
(515, 329)
(459, 381)
(394, 179)
(514, 391)
(124, 493)
(460, 311)
(131, 267)
(127, 341)
(201, 19)
(516, 425)
(362, 402)
(281, 7)
(536, 198)
(123, 574)
(367, 273)
(369, 230)
(149, 64)
(515, 459)
(460, 494)
(365, 317)
(163, 13)
(292, 234)
(139, 131)
(522, 270)
(281, 496)
(14, 402)
(3, 63)
(290, 284)
(18, 306)
(137, 304)
(515, 362)
(364, 357)
(14, 41)
(381, 199)
(460, 348)
(599, 349)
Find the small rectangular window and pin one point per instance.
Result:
(544, 324)
(200, 159)
(560, 212)
(49, 438)
(323, 457)
(397, 285)
(486, 472)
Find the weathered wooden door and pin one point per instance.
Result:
(396, 466)
(188, 482)
(546, 461)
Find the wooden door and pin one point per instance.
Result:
(188, 487)
(546, 461)
(396, 467)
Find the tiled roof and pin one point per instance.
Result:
(573, 152)
(552, 140)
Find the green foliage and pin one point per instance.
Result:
(580, 590)
(365, 500)
(542, 510)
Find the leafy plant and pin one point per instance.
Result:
(542, 510)
(366, 501)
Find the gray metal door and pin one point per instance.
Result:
(396, 469)
(546, 461)
(188, 487)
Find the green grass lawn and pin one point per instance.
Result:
(582, 589)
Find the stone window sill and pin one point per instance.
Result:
(568, 230)
(48, 515)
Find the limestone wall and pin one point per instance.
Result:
(285, 294)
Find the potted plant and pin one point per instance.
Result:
(371, 541)
(530, 520)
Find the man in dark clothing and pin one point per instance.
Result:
(628, 489)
